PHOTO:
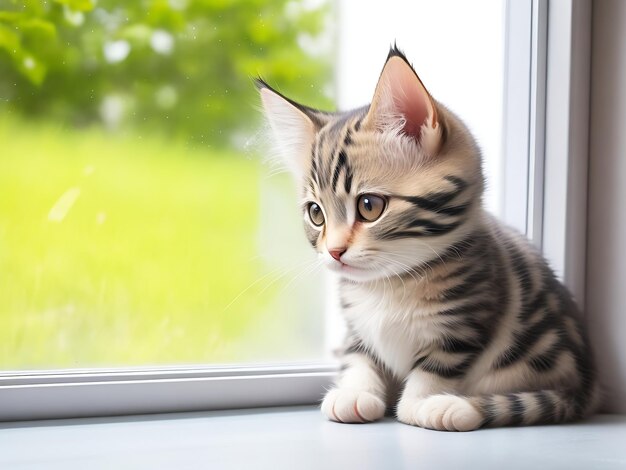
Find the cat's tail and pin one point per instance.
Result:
(537, 407)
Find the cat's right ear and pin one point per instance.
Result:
(293, 127)
(402, 105)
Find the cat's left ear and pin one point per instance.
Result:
(293, 127)
(402, 104)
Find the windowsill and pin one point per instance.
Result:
(299, 437)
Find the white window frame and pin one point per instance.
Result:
(545, 139)
(547, 130)
(101, 392)
(568, 83)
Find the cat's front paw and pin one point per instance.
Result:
(352, 406)
(440, 412)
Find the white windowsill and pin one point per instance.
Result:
(99, 392)
(299, 437)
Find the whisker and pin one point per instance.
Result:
(436, 254)
(405, 267)
(273, 272)
(389, 260)
(303, 265)
(309, 270)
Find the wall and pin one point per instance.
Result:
(606, 235)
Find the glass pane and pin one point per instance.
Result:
(138, 222)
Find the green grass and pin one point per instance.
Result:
(142, 267)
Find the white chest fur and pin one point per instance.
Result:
(389, 325)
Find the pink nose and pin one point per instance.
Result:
(337, 253)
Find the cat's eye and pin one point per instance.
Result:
(370, 207)
(316, 215)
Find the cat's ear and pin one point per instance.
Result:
(293, 127)
(402, 104)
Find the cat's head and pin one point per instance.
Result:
(385, 188)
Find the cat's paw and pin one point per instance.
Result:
(440, 412)
(352, 406)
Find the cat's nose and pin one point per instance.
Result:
(337, 253)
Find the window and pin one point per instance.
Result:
(138, 224)
(154, 208)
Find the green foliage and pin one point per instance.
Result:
(178, 67)
(127, 251)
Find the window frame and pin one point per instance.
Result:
(545, 174)
(545, 139)
(32, 395)
(568, 85)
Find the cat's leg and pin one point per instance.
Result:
(428, 401)
(359, 394)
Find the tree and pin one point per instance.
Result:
(177, 66)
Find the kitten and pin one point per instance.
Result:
(453, 318)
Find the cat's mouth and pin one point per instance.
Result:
(365, 272)
(341, 267)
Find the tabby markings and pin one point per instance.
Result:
(328, 175)
(438, 203)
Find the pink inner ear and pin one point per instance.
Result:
(415, 116)
(409, 96)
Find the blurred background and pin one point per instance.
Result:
(138, 222)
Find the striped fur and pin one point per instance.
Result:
(454, 320)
